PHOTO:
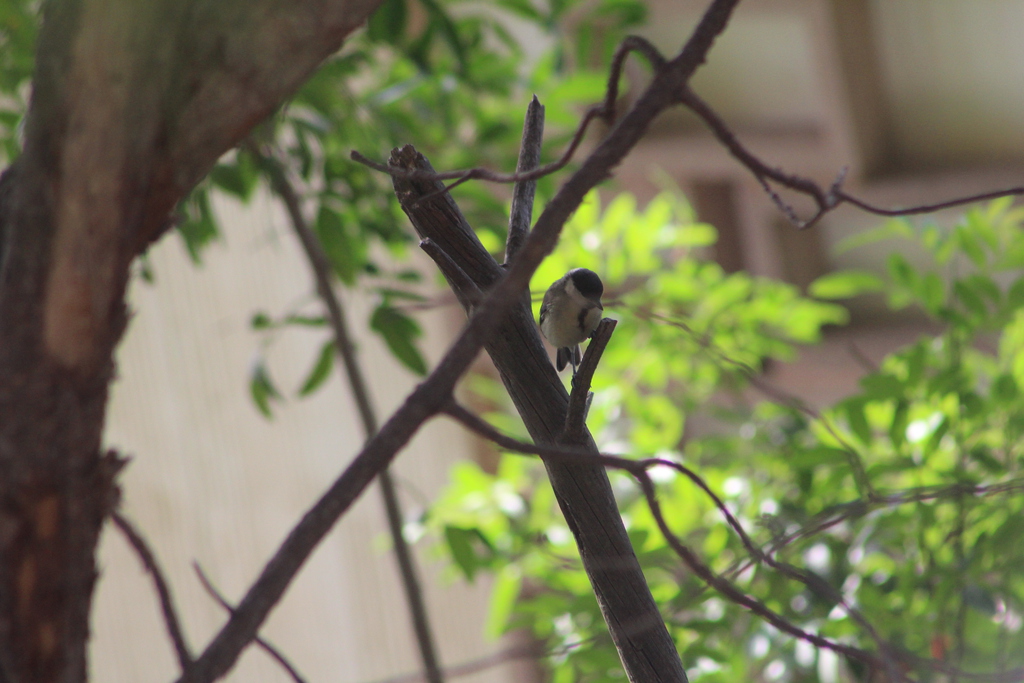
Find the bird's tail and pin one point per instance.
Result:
(566, 355)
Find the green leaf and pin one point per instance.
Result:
(321, 369)
(392, 293)
(262, 388)
(902, 273)
(387, 24)
(469, 548)
(199, 227)
(898, 427)
(845, 284)
(410, 275)
(882, 386)
(858, 420)
(970, 243)
(696, 235)
(306, 320)
(970, 299)
(238, 179)
(1004, 388)
(819, 455)
(399, 332)
(337, 243)
(504, 595)
(260, 321)
(1015, 295)
(892, 229)
(440, 18)
(146, 269)
(935, 440)
(932, 292)
(983, 456)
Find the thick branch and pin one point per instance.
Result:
(582, 488)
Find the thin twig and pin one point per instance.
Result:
(825, 200)
(480, 173)
(264, 644)
(927, 208)
(472, 666)
(576, 415)
(628, 45)
(463, 286)
(583, 492)
(321, 266)
(521, 214)
(163, 590)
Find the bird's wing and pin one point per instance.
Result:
(545, 306)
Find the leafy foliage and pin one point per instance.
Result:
(19, 25)
(900, 498)
(441, 75)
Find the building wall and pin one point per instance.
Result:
(212, 481)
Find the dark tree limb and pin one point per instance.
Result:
(163, 589)
(521, 213)
(261, 642)
(584, 494)
(436, 390)
(321, 267)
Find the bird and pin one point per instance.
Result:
(570, 312)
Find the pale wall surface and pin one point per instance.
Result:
(211, 480)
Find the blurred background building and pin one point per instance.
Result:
(920, 99)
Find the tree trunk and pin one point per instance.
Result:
(132, 104)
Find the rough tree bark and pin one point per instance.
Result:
(133, 102)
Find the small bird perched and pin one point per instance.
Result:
(570, 313)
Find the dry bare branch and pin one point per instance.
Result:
(521, 212)
(163, 590)
(825, 200)
(263, 644)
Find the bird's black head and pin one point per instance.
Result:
(587, 283)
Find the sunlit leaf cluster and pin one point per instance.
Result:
(904, 498)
